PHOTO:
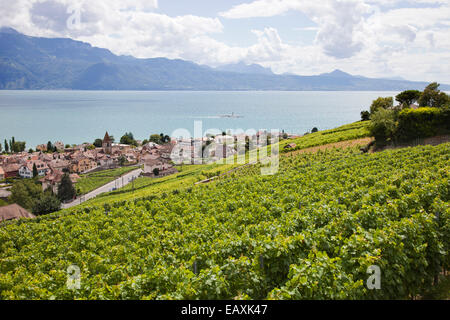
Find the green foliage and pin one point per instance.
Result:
(15, 146)
(382, 126)
(98, 143)
(128, 139)
(365, 115)
(249, 235)
(46, 204)
(3, 203)
(92, 181)
(408, 97)
(381, 103)
(25, 192)
(314, 130)
(159, 138)
(122, 160)
(419, 123)
(66, 190)
(35, 171)
(433, 97)
(348, 132)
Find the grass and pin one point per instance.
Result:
(143, 187)
(92, 181)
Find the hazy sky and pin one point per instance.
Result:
(375, 38)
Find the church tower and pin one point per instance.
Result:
(107, 144)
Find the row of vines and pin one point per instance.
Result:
(308, 232)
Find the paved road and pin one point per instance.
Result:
(116, 184)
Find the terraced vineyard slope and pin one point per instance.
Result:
(309, 232)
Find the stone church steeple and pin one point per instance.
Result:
(107, 144)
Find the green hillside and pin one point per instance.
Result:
(308, 232)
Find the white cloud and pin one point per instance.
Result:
(370, 37)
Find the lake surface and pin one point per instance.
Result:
(82, 116)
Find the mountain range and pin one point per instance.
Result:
(35, 63)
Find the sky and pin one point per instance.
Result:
(372, 38)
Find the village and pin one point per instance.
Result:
(156, 158)
(82, 159)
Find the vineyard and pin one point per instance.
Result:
(144, 187)
(347, 132)
(309, 232)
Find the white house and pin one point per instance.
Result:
(26, 170)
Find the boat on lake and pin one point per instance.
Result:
(232, 115)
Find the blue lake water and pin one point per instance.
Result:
(81, 116)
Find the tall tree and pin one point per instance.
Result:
(6, 146)
(35, 171)
(433, 97)
(49, 146)
(66, 191)
(408, 97)
(381, 103)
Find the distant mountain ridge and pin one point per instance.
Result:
(241, 67)
(35, 63)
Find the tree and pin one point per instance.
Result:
(128, 139)
(122, 160)
(6, 146)
(381, 103)
(382, 126)
(145, 142)
(49, 146)
(66, 191)
(155, 138)
(365, 115)
(46, 204)
(35, 171)
(25, 193)
(0, 147)
(156, 171)
(12, 143)
(433, 97)
(19, 146)
(167, 139)
(30, 150)
(98, 143)
(408, 97)
(314, 130)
